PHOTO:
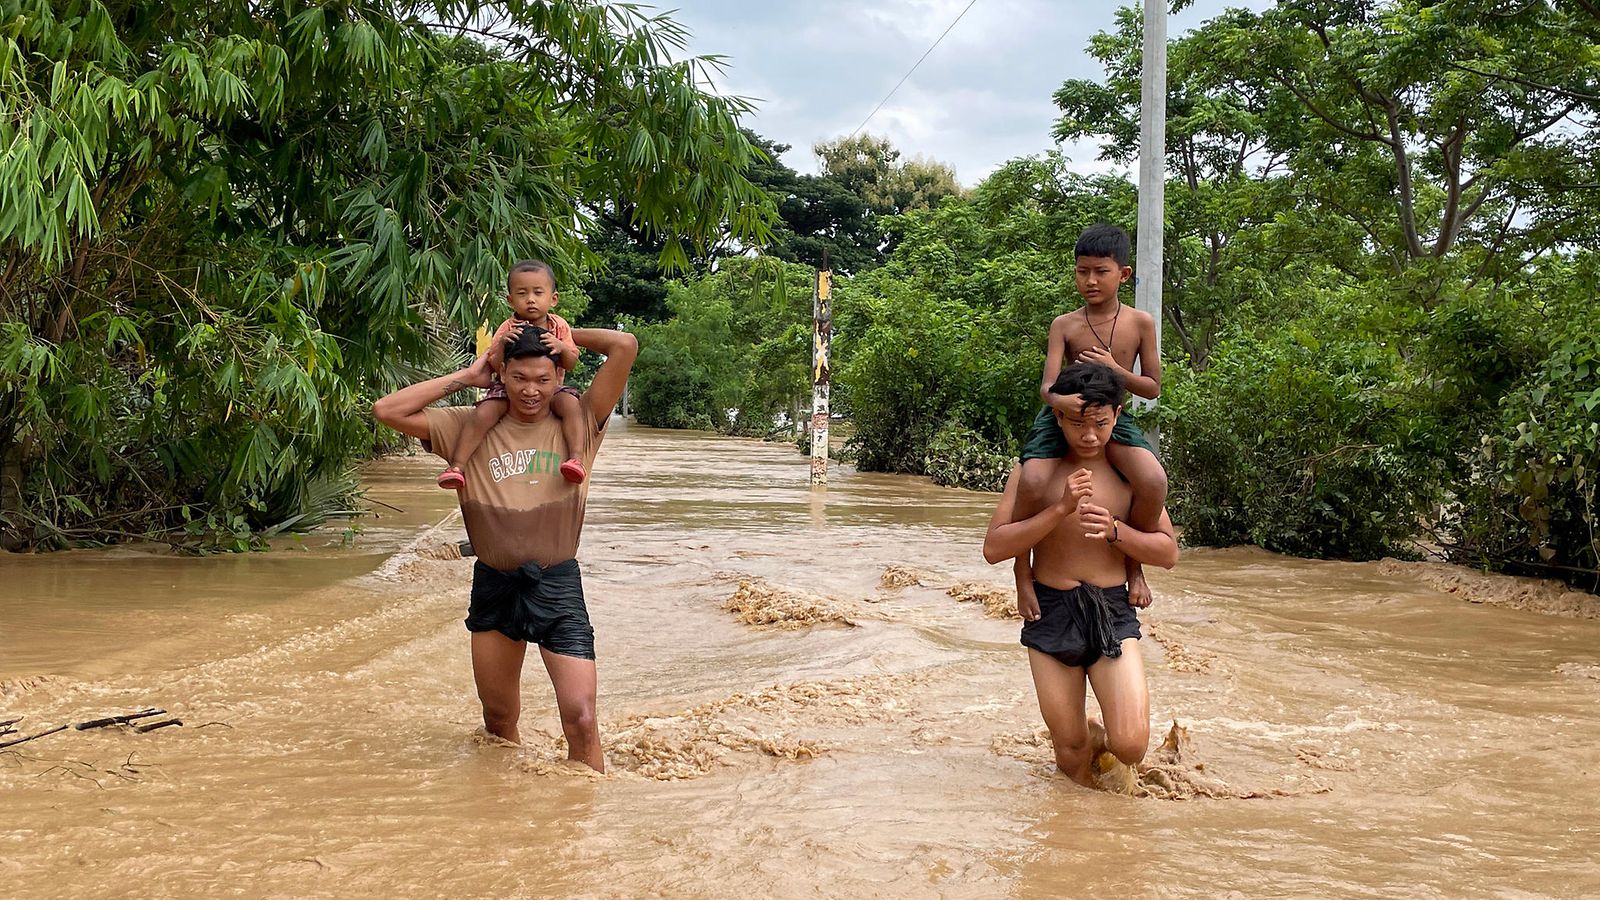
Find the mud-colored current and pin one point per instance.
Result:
(802, 693)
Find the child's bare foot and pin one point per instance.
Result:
(451, 479)
(1139, 596)
(572, 470)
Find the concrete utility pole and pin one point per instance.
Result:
(821, 372)
(1152, 162)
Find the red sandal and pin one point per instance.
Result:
(451, 479)
(572, 470)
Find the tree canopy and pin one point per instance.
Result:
(222, 225)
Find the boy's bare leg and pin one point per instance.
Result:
(567, 408)
(1061, 695)
(484, 416)
(1124, 698)
(497, 669)
(1149, 482)
(575, 681)
(1036, 477)
(1027, 597)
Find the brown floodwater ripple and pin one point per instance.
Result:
(802, 693)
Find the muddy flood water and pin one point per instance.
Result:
(801, 694)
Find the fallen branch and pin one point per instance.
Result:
(24, 740)
(10, 722)
(73, 772)
(119, 720)
(152, 727)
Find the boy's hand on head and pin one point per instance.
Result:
(550, 341)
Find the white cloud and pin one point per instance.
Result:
(981, 98)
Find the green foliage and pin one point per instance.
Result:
(735, 355)
(628, 282)
(1394, 179)
(1298, 442)
(952, 328)
(959, 457)
(225, 228)
(1530, 503)
(834, 220)
(1380, 321)
(869, 167)
(671, 392)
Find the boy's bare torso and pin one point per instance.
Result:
(1065, 558)
(1119, 328)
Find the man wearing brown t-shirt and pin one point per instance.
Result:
(524, 521)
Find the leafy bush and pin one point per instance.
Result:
(959, 457)
(953, 328)
(1531, 503)
(734, 357)
(1299, 445)
(666, 392)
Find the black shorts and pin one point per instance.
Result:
(540, 605)
(1080, 625)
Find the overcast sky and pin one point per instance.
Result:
(818, 68)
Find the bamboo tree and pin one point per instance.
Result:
(222, 226)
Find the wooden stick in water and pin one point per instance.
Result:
(23, 740)
(152, 727)
(119, 720)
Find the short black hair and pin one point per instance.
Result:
(1095, 385)
(532, 265)
(529, 343)
(1104, 240)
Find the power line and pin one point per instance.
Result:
(908, 74)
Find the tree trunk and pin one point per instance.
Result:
(11, 538)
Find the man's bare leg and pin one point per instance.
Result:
(575, 681)
(1124, 697)
(1061, 695)
(497, 669)
(1148, 479)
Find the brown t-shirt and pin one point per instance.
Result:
(516, 505)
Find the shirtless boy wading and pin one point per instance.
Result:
(1079, 626)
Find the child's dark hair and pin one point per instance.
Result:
(532, 265)
(528, 343)
(1095, 385)
(1103, 240)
